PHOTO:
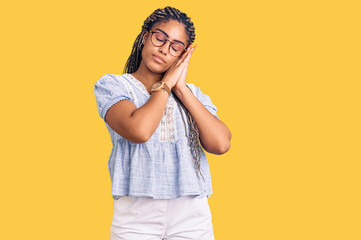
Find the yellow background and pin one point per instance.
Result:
(285, 76)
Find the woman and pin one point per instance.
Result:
(160, 175)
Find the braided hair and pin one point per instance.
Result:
(135, 58)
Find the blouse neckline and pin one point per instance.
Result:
(138, 84)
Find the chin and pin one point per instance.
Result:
(156, 68)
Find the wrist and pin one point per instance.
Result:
(169, 83)
(179, 90)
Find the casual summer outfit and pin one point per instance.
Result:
(155, 188)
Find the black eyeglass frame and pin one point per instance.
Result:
(166, 40)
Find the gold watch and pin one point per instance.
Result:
(159, 86)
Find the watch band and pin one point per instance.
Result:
(166, 87)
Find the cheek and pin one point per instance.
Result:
(147, 56)
(145, 52)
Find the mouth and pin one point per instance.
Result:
(158, 59)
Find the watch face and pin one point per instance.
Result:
(156, 85)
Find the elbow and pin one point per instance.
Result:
(138, 140)
(217, 148)
(140, 135)
(223, 148)
(224, 143)
(143, 139)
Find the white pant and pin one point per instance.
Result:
(145, 218)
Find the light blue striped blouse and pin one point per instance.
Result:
(162, 167)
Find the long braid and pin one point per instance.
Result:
(193, 136)
(135, 58)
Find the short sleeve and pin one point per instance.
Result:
(109, 90)
(204, 99)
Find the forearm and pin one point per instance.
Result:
(213, 133)
(147, 118)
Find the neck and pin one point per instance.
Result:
(147, 77)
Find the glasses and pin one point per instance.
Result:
(159, 39)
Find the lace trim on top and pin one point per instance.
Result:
(167, 125)
(138, 84)
(130, 89)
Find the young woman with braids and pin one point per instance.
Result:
(157, 122)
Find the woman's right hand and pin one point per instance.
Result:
(173, 74)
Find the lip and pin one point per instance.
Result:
(158, 59)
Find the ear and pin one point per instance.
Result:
(145, 36)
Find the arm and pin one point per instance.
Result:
(137, 124)
(214, 135)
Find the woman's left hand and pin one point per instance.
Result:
(182, 79)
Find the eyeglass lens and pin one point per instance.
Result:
(159, 40)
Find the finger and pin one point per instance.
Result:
(181, 59)
(185, 54)
(192, 49)
(189, 55)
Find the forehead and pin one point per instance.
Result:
(174, 29)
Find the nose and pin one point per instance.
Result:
(164, 49)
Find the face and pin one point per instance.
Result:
(176, 32)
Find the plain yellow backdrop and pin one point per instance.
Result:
(284, 75)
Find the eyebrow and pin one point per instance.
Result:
(175, 40)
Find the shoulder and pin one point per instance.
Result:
(106, 76)
(108, 90)
(111, 84)
(110, 81)
(109, 78)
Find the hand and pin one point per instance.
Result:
(174, 73)
(182, 79)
